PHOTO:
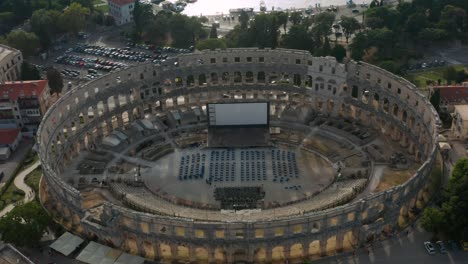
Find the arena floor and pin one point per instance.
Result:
(285, 174)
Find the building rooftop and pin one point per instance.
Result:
(453, 93)
(5, 51)
(462, 111)
(14, 90)
(8, 136)
(122, 2)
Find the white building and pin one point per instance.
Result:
(10, 64)
(460, 122)
(121, 10)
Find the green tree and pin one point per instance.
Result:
(339, 52)
(432, 219)
(244, 19)
(453, 19)
(359, 46)
(27, 42)
(214, 32)
(295, 18)
(29, 72)
(157, 29)
(322, 27)
(185, 31)
(350, 25)
(450, 74)
(435, 100)
(24, 225)
(211, 44)
(55, 80)
(73, 19)
(381, 17)
(142, 15)
(282, 18)
(298, 37)
(45, 23)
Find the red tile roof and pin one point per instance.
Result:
(453, 93)
(13, 90)
(122, 2)
(8, 136)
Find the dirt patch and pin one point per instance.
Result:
(391, 178)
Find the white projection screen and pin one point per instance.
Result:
(238, 114)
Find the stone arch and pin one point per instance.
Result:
(309, 81)
(355, 92)
(111, 104)
(376, 102)
(261, 77)
(395, 110)
(169, 102)
(136, 113)
(249, 77)
(297, 79)
(385, 105)
(272, 77)
(331, 245)
(131, 245)
(277, 253)
(330, 105)
(331, 84)
(180, 100)
(260, 255)
(183, 253)
(404, 116)
(349, 241)
(125, 117)
(190, 81)
(148, 250)
(202, 79)
(237, 77)
(214, 78)
(240, 255)
(220, 255)
(100, 108)
(165, 250)
(115, 122)
(314, 248)
(319, 83)
(201, 254)
(225, 77)
(296, 251)
(178, 81)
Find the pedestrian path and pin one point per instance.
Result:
(20, 184)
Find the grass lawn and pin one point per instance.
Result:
(11, 195)
(419, 78)
(33, 178)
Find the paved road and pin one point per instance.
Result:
(9, 166)
(402, 249)
(20, 184)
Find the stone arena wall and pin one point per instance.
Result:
(356, 90)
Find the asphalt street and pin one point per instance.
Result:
(403, 248)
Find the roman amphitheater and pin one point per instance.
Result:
(349, 151)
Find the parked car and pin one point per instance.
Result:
(429, 248)
(441, 247)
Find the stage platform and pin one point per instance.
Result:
(238, 137)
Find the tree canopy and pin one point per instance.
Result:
(55, 80)
(24, 225)
(74, 17)
(26, 42)
(451, 218)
